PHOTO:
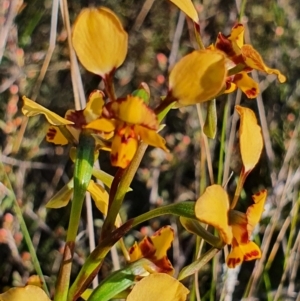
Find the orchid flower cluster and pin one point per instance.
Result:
(124, 125)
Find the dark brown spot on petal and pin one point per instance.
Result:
(233, 261)
(251, 93)
(164, 264)
(77, 117)
(51, 133)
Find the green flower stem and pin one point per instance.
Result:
(93, 263)
(236, 69)
(198, 264)
(222, 144)
(185, 209)
(124, 184)
(82, 176)
(164, 104)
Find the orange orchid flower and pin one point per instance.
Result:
(155, 249)
(246, 58)
(134, 121)
(235, 227)
(66, 130)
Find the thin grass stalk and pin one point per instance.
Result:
(24, 229)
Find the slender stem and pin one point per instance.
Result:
(82, 176)
(239, 188)
(19, 214)
(185, 209)
(198, 264)
(109, 86)
(222, 143)
(124, 184)
(114, 186)
(198, 36)
(165, 103)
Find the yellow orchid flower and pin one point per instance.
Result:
(66, 130)
(158, 287)
(155, 249)
(134, 121)
(99, 40)
(235, 227)
(197, 77)
(246, 58)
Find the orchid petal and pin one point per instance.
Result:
(158, 287)
(150, 137)
(102, 125)
(29, 292)
(99, 40)
(54, 135)
(31, 108)
(235, 257)
(230, 86)
(237, 35)
(249, 86)
(255, 211)
(251, 140)
(212, 208)
(243, 252)
(198, 77)
(124, 146)
(240, 233)
(135, 252)
(188, 8)
(99, 195)
(132, 110)
(253, 60)
(162, 240)
(155, 249)
(95, 103)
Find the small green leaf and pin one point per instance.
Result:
(143, 92)
(62, 197)
(194, 226)
(119, 281)
(210, 126)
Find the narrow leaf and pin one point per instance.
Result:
(119, 281)
(210, 126)
(198, 264)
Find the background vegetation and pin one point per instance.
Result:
(159, 36)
